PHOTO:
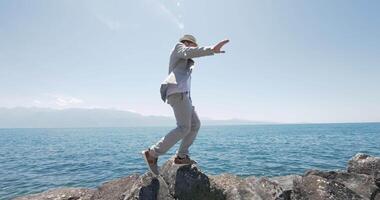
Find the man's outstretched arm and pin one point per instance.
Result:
(192, 52)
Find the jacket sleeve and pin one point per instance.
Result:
(182, 51)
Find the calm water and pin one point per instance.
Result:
(34, 160)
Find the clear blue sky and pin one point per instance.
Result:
(288, 61)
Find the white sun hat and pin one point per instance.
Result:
(188, 38)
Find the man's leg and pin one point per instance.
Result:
(183, 112)
(188, 140)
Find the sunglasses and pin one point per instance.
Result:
(191, 43)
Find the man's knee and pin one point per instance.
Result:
(196, 126)
(184, 129)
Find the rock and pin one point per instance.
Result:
(252, 188)
(115, 189)
(188, 182)
(365, 164)
(319, 188)
(61, 194)
(149, 187)
(265, 188)
(286, 183)
(361, 184)
(233, 187)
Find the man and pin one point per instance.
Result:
(176, 90)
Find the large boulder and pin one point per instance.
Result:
(188, 182)
(361, 184)
(60, 194)
(232, 186)
(318, 188)
(251, 187)
(148, 186)
(266, 189)
(115, 189)
(365, 164)
(286, 183)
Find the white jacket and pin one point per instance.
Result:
(180, 67)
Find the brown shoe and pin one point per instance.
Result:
(184, 161)
(150, 161)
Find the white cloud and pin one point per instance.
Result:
(66, 101)
(62, 100)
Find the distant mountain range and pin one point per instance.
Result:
(37, 117)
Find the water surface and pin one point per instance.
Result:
(34, 160)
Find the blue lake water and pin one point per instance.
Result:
(34, 160)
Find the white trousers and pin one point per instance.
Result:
(187, 128)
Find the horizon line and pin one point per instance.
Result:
(260, 122)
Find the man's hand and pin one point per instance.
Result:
(217, 48)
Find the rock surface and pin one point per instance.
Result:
(61, 194)
(360, 181)
(365, 164)
(360, 184)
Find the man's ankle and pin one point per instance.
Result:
(152, 154)
(181, 156)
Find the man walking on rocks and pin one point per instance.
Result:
(176, 91)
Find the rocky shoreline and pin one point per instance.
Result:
(361, 180)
